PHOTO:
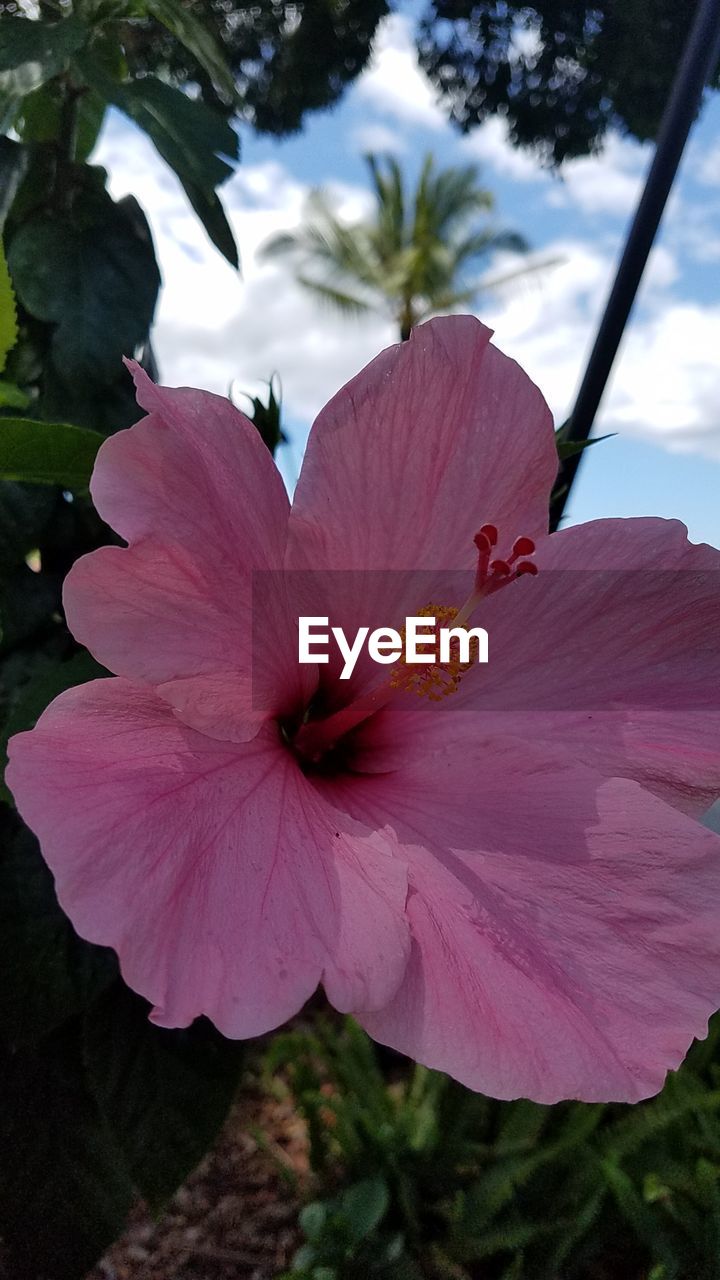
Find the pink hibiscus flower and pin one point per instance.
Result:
(509, 884)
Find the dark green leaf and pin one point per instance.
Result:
(568, 448)
(40, 117)
(190, 137)
(32, 52)
(195, 36)
(96, 281)
(196, 142)
(164, 1094)
(13, 164)
(312, 1219)
(32, 179)
(47, 452)
(64, 1195)
(209, 210)
(364, 1205)
(47, 973)
(107, 408)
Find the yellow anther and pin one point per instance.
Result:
(434, 680)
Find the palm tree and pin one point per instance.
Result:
(415, 256)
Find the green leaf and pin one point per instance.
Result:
(40, 117)
(312, 1219)
(96, 280)
(32, 52)
(13, 165)
(209, 210)
(48, 974)
(64, 1195)
(164, 1094)
(47, 452)
(190, 137)
(196, 37)
(364, 1205)
(12, 397)
(8, 314)
(568, 448)
(644, 1223)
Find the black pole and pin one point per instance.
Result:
(698, 61)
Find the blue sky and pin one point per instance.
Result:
(215, 329)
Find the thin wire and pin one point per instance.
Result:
(697, 63)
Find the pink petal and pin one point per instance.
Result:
(196, 493)
(674, 754)
(224, 882)
(611, 653)
(623, 613)
(435, 437)
(566, 928)
(196, 472)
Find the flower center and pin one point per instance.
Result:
(434, 679)
(318, 738)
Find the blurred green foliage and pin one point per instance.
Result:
(287, 57)
(417, 1177)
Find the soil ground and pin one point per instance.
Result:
(236, 1216)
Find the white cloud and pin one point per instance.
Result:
(662, 270)
(393, 83)
(695, 229)
(546, 322)
(215, 328)
(706, 166)
(489, 144)
(378, 139)
(609, 182)
(666, 383)
(668, 387)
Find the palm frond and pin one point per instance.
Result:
(347, 303)
(280, 245)
(480, 244)
(487, 283)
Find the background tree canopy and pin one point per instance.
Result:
(561, 73)
(286, 58)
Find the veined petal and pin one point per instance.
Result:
(610, 653)
(566, 927)
(433, 438)
(223, 881)
(200, 500)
